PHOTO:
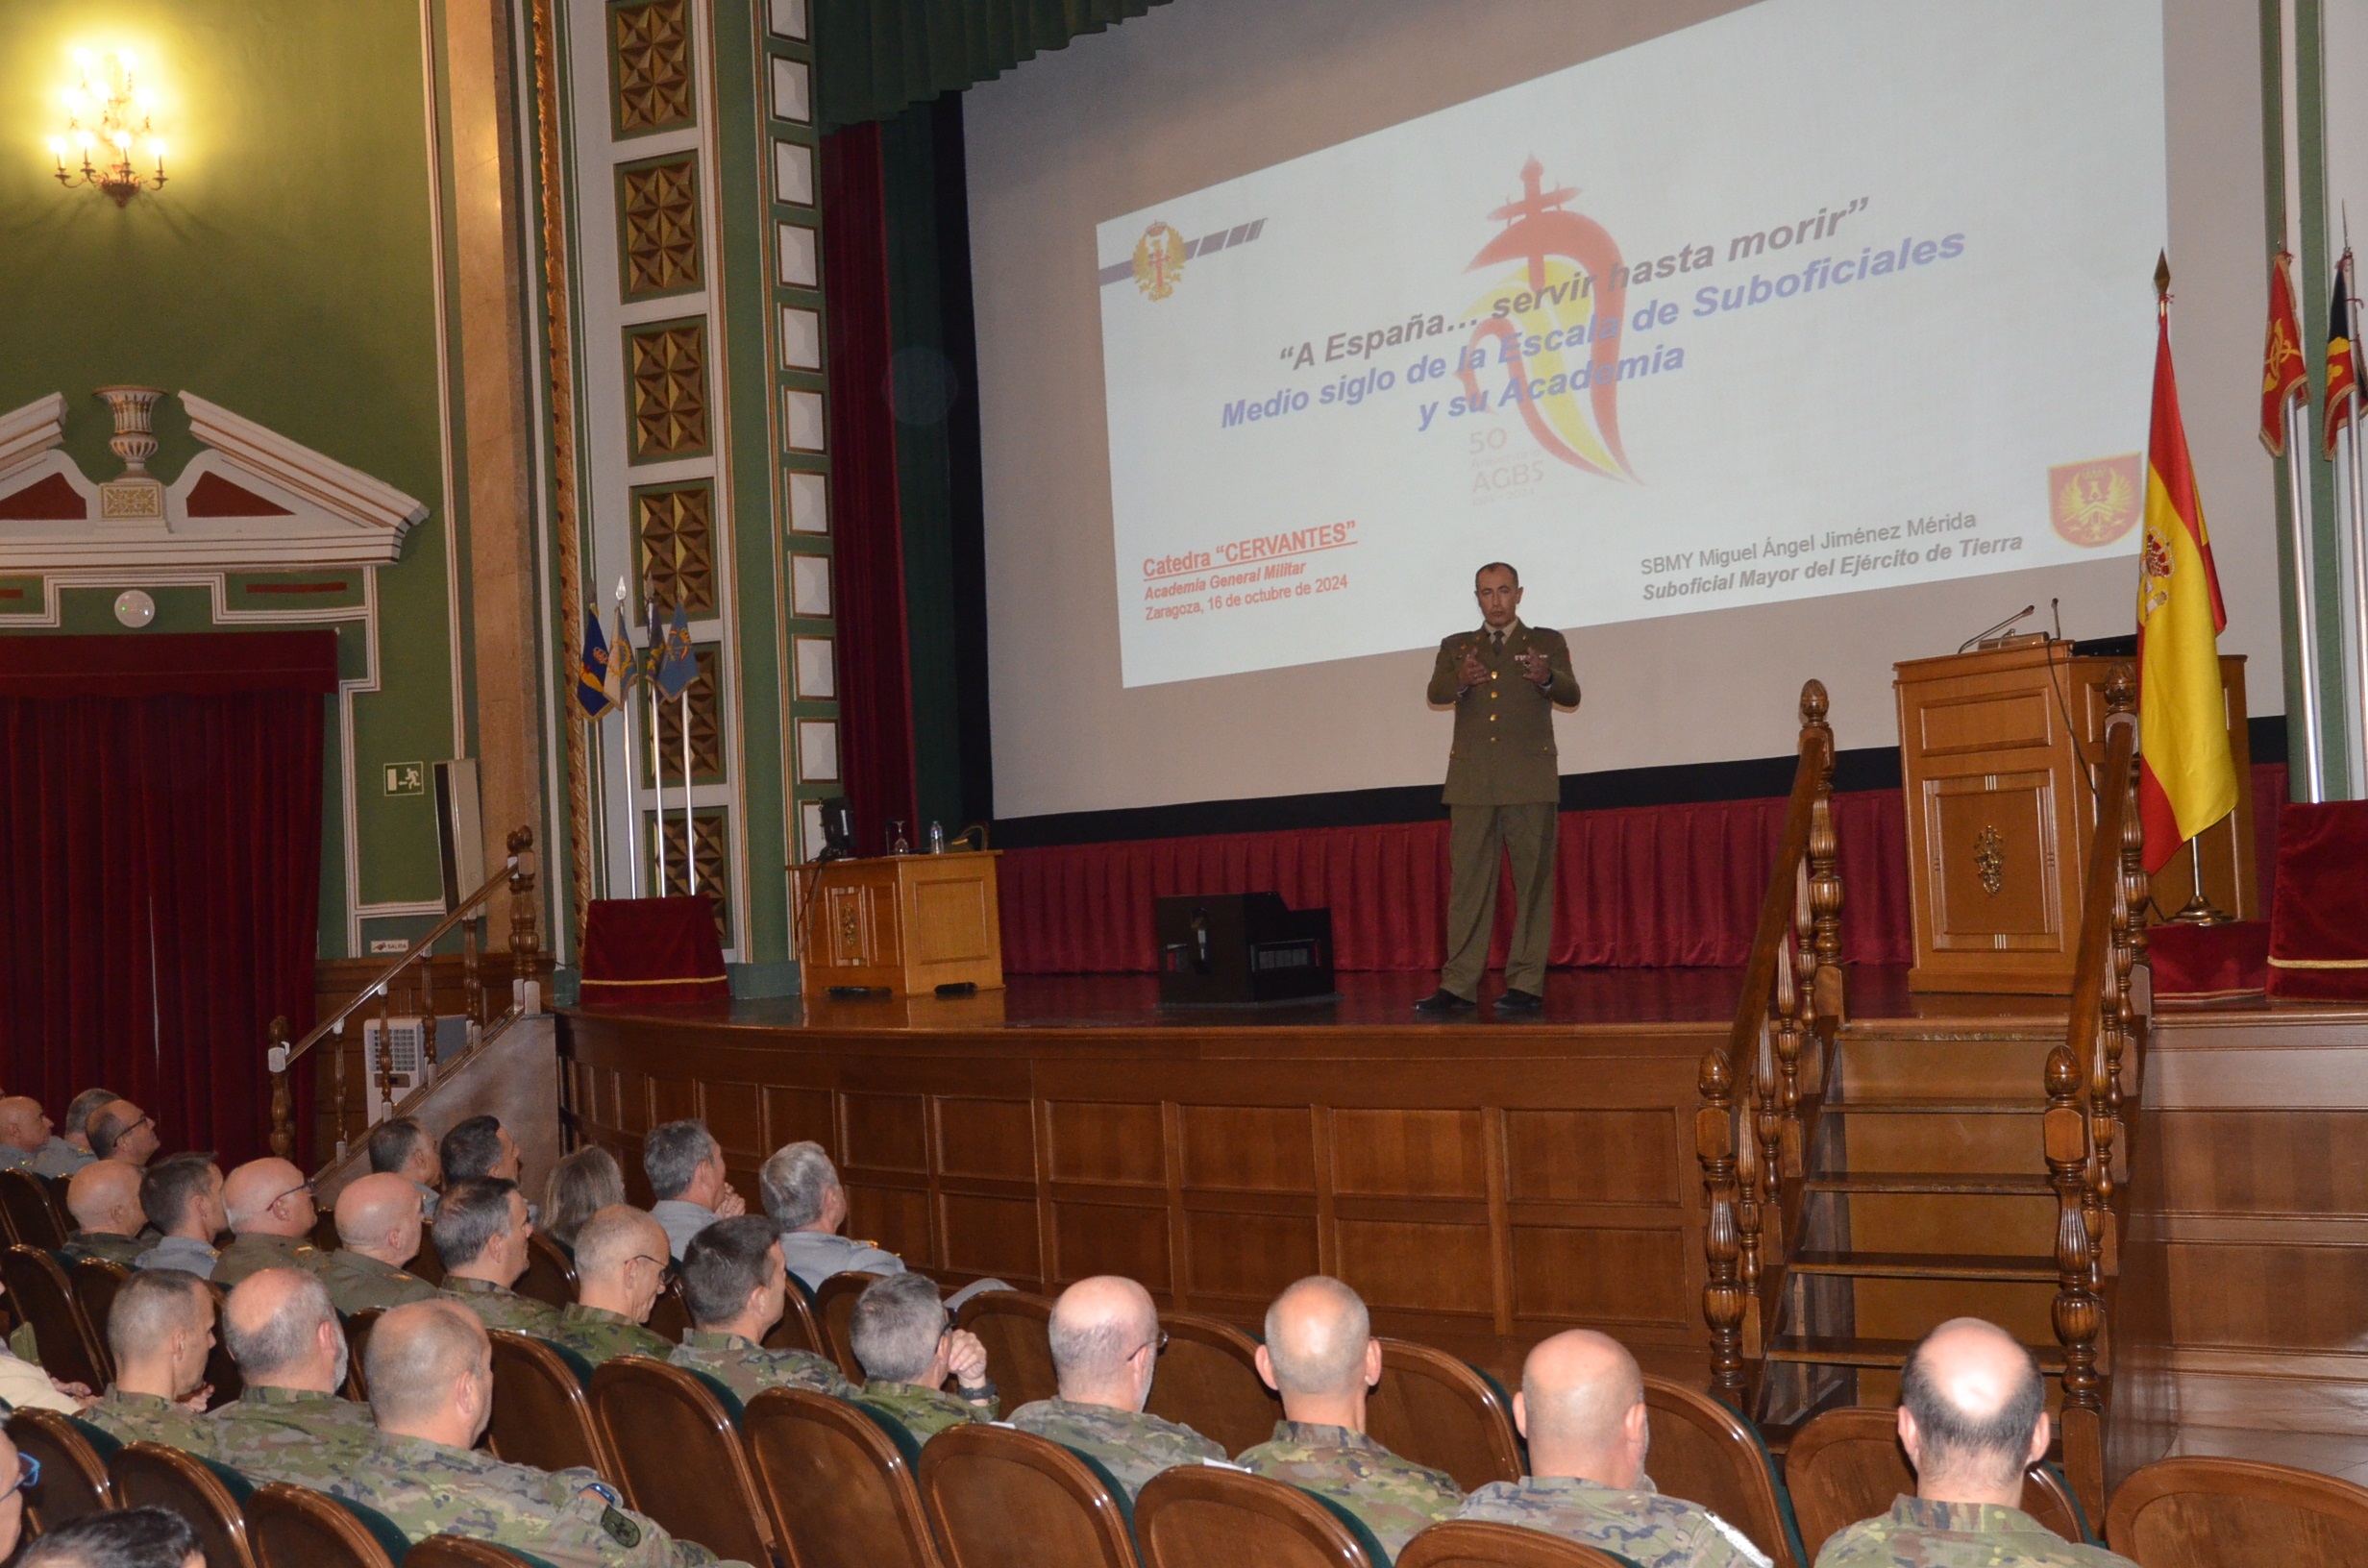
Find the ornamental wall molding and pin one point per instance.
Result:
(250, 498)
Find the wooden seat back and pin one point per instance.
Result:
(1200, 1516)
(93, 1283)
(550, 1276)
(428, 1263)
(1468, 1543)
(74, 1478)
(1002, 1498)
(32, 1215)
(1705, 1452)
(678, 1456)
(797, 1329)
(2203, 1512)
(289, 1527)
(1017, 1329)
(357, 1327)
(840, 1487)
(834, 1308)
(1847, 1465)
(670, 1316)
(150, 1475)
(1435, 1409)
(542, 1412)
(325, 1238)
(463, 1552)
(69, 1348)
(1208, 1380)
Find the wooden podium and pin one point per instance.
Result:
(1999, 749)
(905, 924)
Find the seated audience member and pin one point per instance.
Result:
(431, 1373)
(400, 1146)
(27, 1141)
(182, 1196)
(1321, 1357)
(122, 1131)
(1105, 1348)
(119, 1538)
(620, 1268)
(77, 1113)
(378, 1222)
(581, 1186)
(685, 1168)
(23, 1383)
(1973, 1417)
(1581, 1408)
(16, 1475)
(802, 1192)
(481, 1232)
(288, 1422)
(908, 1351)
(269, 1206)
(480, 1146)
(159, 1329)
(733, 1283)
(104, 1199)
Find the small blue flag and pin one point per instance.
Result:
(592, 673)
(623, 667)
(677, 667)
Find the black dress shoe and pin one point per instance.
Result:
(1442, 1003)
(1520, 1001)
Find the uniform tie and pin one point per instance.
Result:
(1497, 641)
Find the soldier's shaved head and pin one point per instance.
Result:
(21, 1123)
(429, 1365)
(160, 1329)
(273, 1324)
(1105, 1341)
(105, 1197)
(1581, 1408)
(1973, 1413)
(261, 1198)
(1317, 1334)
(377, 1215)
(621, 1256)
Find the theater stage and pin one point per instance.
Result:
(1482, 1183)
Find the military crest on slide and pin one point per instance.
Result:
(1159, 260)
(2094, 504)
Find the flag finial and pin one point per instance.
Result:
(2162, 276)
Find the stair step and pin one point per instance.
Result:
(1845, 1351)
(1889, 1107)
(1990, 1183)
(1925, 1265)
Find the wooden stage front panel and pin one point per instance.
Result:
(1482, 1184)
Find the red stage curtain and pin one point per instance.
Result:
(160, 824)
(875, 688)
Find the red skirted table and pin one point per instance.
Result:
(653, 950)
(2318, 921)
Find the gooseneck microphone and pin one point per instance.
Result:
(2002, 625)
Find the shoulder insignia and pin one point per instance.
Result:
(620, 1526)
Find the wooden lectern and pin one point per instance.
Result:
(905, 923)
(2000, 751)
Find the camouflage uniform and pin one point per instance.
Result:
(1920, 1535)
(503, 1307)
(58, 1158)
(748, 1368)
(924, 1412)
(1131, 1445)
(149, 1419)
(1396, 1499)
(292, 1435)
(357, 1282)
(254, 1252)
(1647, 1529)
(599, 1335)
(115, 1249)
(182, 1252)
(566, 1518)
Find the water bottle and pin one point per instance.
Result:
(937, 838)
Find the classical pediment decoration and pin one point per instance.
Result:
(251, 499)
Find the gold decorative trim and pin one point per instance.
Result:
(1990, 861)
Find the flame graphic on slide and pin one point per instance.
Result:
(1574, 265)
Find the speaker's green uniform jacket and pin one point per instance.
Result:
(1504, 726)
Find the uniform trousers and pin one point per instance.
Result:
(1479, 837)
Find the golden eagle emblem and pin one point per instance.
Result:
(2096, 503)
(1159, 260)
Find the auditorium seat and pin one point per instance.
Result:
(289, 1527)
(678, 1455)
(221, 1370)
(429, 1265)
(357, 1327)
(1016, 1329)
(1847, 1465)
(149, 1475)
(93, 1283)
(69, 1349)
(460, 1552)
(2201, 1512)
(1201, 1516)
(798, 1330)
(834, 1308)
(838, 1481)
(1435, 1409)
(542, 1412)
(1467, 1543)
(32, 1216)
(669, 1318)
(1003, 1498)
(1208, 1380)
(325, 1238)
(551, 1275)
(74, 1478)
(1705, 1452)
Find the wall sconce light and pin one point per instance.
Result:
(108, 112)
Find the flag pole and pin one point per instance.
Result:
(592, 764)
(2305, 608)
(625, 701)
(2355, 539)
(658, 765)
(690, 855)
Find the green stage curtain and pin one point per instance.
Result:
(877, 58)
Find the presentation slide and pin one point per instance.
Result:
(1812, 298)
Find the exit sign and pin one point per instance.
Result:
(406, 778)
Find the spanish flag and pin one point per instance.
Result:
(2187, 778)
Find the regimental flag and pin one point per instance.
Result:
(2285, 376)
(623, 667)
(677, 667)
(2342, 374)
(653, 647)
(592, 673)
(2187, 778)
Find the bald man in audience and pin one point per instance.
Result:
(1321, 1357)
(1581, 1408)
(907, 1350)
(620, 1268)
(1106, 1342)
(269, 1205)
(104, 1199)
(181, 1197)
(431, 1373)
(123, 1132)
(290, 1421)
(735, 1287)
(481, 1232)
(1973, 1417)
(161, 1330)
(27, 1141)
(378, 1222)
